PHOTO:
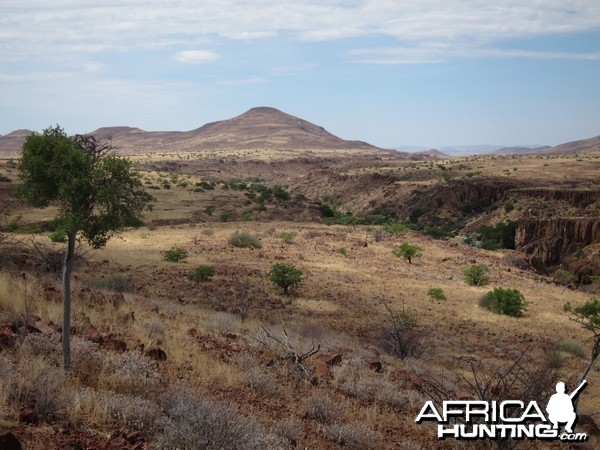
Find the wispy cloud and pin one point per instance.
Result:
(35, 26)
(195, 56)
(431, 54)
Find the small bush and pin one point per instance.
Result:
(476, 275)
(408, 251)
(225, 216)
(244, 240)
(202, 273)
(321, 408)
(58, 236)
(343, 250)
(504, 301)
(572, 347)
(353, 435)
(287, 236)
(246, 217)
(175, 254)
(285, 276)
(437, 294)
(198, 422)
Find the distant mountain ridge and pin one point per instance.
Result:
(261, 127)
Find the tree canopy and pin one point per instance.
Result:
(98, 193)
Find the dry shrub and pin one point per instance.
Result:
(41, 385)
(375, 389)
(87, 361)
(130, 373)
(353, 435)
(222, 323)
(262, 382)
(126, 411)
(34, 345)
(7, 372)
(321, 408)
(288, 429)
(198, 422)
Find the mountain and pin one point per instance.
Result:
(570, 148)
(520, 150)
(257, 128)
(433, 154)
(11, 143)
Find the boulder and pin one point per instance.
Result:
(8, 441)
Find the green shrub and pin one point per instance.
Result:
(287, 236)
(225, 217)
(59, 236)
(437, 294)
(343, 250)
(246, 217)
(210, 209)
(244, 240)
(202, 273)
(285, 276)
(175, 254)
(408, 251)
(395, 228)
(476, 275)
(504, 301)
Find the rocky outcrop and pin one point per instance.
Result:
(579, 198)
(548, 241)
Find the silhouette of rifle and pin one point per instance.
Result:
(576, 391)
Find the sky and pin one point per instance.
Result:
(390, 72)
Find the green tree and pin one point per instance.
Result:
(97, 192)
(408, 251)
(504, 301)
(285, 276)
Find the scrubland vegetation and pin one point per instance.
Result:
(247, 313)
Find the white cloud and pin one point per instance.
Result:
(424, 54)
(37, 26)
(195, 56)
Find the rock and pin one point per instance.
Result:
(322, 370)
(156, 353)
(7, 338)
(375, 365)
(29, 415)
(95, 336)
(9, 441)
(115, 344)
(330, 360)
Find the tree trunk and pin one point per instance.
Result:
(66, 281)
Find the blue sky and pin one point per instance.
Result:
(405, 72)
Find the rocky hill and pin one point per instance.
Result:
(257, 128)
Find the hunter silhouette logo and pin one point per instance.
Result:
(560, 407)
(508, 419)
